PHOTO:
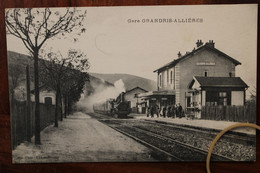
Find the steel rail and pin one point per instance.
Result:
(230, 136)
(145, 143)
(183, 144)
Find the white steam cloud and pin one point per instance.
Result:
(101, 94)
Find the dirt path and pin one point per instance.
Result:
(79, 138)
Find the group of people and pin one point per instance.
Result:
(174, 111)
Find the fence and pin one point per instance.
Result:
(230, 113)
(23, 126)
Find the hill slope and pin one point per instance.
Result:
(17, 60)
(130, 81)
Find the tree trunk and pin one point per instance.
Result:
(69, 107)
(37, 102)
(28, 105)
(61, 113)
(57, 105)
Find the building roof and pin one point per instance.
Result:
(136, 88)
(205, 46)
(219, 82)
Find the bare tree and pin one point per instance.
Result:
(34, 26)
(253, 93)
(61, 72)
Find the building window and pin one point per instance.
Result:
(230, 74)
(214, 98)
(48, 100)
(167, 76)
(211, 98)
(222, 98)
(171, 77)
(188, 99)
(160, 80)
(205, 73)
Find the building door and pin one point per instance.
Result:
(48, 100)
(188, 101)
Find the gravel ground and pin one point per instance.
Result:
(210, 124)
(168, 146)
(79, 138)
(237, 151)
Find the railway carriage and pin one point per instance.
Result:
(104, 107)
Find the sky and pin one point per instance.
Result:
(115, 45)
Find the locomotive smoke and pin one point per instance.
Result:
(101, 94)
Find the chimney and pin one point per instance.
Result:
(179, 54)
(211, 44)
(199, 43)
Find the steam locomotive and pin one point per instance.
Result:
(118, 107)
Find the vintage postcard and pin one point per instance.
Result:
(132, 84)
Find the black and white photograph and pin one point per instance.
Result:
(132, 83)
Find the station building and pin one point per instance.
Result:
(136, 104)
(204, 76)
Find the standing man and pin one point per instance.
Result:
(148, 111)
(169, 111)
(164, 111)
(152, 111)
(179, 110)
(173, 111)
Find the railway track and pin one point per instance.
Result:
(163, 155)
(177, 143)
(188, 147)
(173, 149)
(231, 137)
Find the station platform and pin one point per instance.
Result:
(197, 123)
(81, 138)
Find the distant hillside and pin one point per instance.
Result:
(17, 64)
(95, 83)
(17, 60)
(130, 81)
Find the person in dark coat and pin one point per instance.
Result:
(164, 112)
(152, 111)
(179, 110)
(169, 111)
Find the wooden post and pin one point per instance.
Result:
(14, 122)
(66, 105)
(56, 124)
(28, 106)
(60, 106)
